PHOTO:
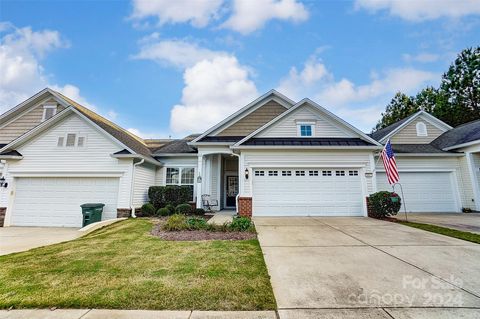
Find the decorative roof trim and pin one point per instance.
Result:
(318, 108)
(436, 122)
(252, 105)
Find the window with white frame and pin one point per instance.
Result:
(312, 173)
(421, 129)
(272, 173)
(71, 140)
(306, 129)
(352, 173)
(49, 110)
(299, 173)
(286, 173)
(339, 173)
(326, 173)
(259, 173)
(181, 176)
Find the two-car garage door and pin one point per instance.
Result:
(307, 192)
(55, 201)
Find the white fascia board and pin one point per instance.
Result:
(176, 155)
(436, 122)
(11, 157)
(245, 108)
(137, 156)
(317, 108)
(27, 101)
(210, 143)
(426, 155)
(462, 145)
(293, 147)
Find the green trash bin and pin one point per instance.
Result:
(92, 213)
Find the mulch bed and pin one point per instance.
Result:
(195, 235)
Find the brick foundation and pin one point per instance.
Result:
(369, 209)
(3, 211)
(245, 206)
(194, 205)
(124, 212)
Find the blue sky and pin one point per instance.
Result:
(165, 67)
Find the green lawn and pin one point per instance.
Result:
(475, 238)
(123, 266)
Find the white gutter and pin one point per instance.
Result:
(461, 145)
(300, 147)
(12, 157)
(137, 156)
(133, 187)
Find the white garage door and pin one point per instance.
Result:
(56, 201)
(307, 192)
(424, 191)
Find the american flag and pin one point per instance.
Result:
(390, 164)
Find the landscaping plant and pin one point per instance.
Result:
(161, 196)
(148, 210)
(163, 212)
(384, 204)
(183, 209)
(240, 224)
(194, 223)
(171, 209)
(176, 222)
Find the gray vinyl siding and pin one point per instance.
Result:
(408, 134)
(287, 126)
(23, 123)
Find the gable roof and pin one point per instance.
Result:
(133, 143)
(25, 105)
(459, 136)
(323, 111)
(387, 132)
(247, 109)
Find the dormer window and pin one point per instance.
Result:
(421, 129)
(49, 110)
(306, 129)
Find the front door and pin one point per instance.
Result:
(231, 191)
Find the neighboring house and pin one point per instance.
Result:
(274, 157)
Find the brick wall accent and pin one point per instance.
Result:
(124, 212)
(194, 205)
(369, 209)
(3, 211)
(245, 206)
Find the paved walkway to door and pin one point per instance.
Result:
(16, 239)
(469, 222)
(366, 268)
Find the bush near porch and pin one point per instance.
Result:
(161, 196)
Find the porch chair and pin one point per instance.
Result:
(208, 203)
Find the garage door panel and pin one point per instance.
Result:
(307, 195)
(56, 201)
(424, 191)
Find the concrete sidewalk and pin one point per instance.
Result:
(464, 222)
(131, 314)
(361, 313)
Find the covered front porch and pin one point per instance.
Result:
(218, 181)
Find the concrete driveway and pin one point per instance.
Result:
(366, 268)
(465, 222)
(16, 239)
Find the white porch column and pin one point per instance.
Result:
(473, 179)
(199, 180)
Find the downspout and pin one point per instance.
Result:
(133, 187)
(239, 176)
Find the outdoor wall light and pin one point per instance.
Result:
(369, 175)
(3, 183)
(246, 173)
(199, 179)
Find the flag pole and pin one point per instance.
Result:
(403, 199)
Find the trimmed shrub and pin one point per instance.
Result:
(199, 211)
(384, 204)
(160, 196)
(194, 223)
(171, 209)
(240, 224)
(163, 212)
(183, 209)
(176, 222)
(148, 210)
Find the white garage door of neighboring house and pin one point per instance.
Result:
(424, 191)
(55, 201)
(307, 192)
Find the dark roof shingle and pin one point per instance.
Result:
(378, 135)
(462, 134)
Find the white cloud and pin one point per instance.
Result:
(198, 12)
(213, 90)
(249, 16)
(420, 10)
(360, 104)
(21, 72)
(179, 53)
(421, 57)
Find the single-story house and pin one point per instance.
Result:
(273, 157)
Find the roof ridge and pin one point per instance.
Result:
(98, 116)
